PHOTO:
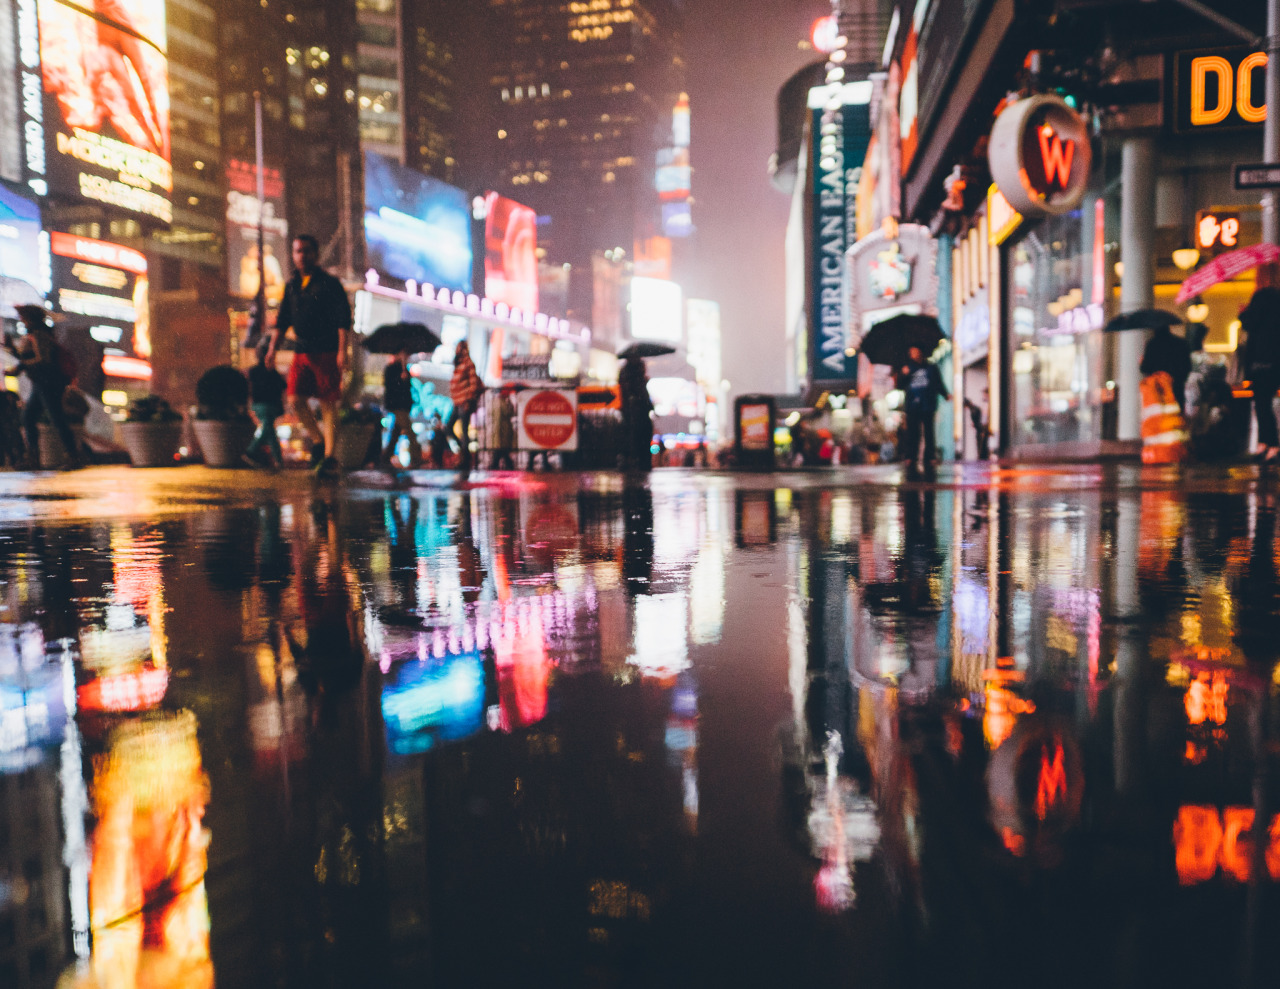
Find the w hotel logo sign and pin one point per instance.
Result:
(1040, 156)
(1218, 89)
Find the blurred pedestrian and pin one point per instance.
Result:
(1168, 353)
(465, 389)
(397, 400)
(1261, 321)
(637, 407)
(41, 360)
(504, 441)
(316, 308)
(922, 382)
(266, 397)
(439, 442)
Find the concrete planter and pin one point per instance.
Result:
(151, 444)
(353, 443)
(223, 442)
(52, 454)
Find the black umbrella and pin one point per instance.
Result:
(645, 349)
(889, 342)
(1143, 319)
(395, 337)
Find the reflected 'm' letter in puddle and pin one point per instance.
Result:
(147, 902)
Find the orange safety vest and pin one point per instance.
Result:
(1164, 433)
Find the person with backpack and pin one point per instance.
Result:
(465, 389)
(50, 370)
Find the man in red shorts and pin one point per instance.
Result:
(315, 306)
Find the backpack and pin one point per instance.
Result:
(64, 361)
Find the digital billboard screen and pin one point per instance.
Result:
(106, 103)
(23, 253)
(511, 253)
(105, 285)
(657, 310)
(416, 227)
(242, 231)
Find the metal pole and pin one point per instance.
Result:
(1271, 128)
(261, 300)
(1137, 245)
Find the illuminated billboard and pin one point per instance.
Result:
(106, 103)
(24, 251)
(107, 285)
(510, 253)
(657, 310)
(242, 231)
(416, 227)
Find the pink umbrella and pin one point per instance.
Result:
(1226, 266)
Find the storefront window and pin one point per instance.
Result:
(1055, 338)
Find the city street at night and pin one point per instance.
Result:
(602, 730)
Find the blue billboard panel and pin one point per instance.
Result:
(22, 254)
(416, 227)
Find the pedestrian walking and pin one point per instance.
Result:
(504, 442)
(316, 308)
(397, 401)
(1261, 321)
(266, 396)
(43, 364)
(439, 442)
(922, 382)
(637, 406)
(1168, 353)
(465, 389)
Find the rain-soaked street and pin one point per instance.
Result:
(1017, 728)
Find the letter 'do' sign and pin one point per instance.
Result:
(1040, 156)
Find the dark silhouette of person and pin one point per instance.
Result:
(922, 383)
(1261, 321)
(637, 406)
(1165, 352)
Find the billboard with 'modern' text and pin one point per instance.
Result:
(106, 103)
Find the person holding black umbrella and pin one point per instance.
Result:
(1261, 321)
(397, 400)
(637, 407)
(922, 383)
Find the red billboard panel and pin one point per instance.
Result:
(106, 103)
(511, 253)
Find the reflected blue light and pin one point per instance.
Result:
(429, 702)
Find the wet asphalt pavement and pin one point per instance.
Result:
(1014, 728)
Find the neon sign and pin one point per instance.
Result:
(1219, 89)
(1040, 156)
(1205, 841)
(1217, 230)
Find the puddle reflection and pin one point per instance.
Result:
(619, 734)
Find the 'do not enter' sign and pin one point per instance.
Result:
(548, 419)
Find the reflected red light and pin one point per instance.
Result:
(138, 691)
(1051, 787)
(520, 653)
(1205, 840)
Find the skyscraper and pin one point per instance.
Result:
(580, 99)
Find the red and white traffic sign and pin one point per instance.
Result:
(548, 419)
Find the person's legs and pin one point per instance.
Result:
(329, 420)
(1264, 393)
(912, 452)
(273, 438)
(265, 426)
(930, 440)
(399, 424)
(464, 424)
(30, 425)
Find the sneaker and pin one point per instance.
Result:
(328, 469)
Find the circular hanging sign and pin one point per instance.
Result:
(1041, 156)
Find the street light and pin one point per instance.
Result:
(1186, 257)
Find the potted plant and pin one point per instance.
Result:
(357, 427)
(151, 432)
(221, 423)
